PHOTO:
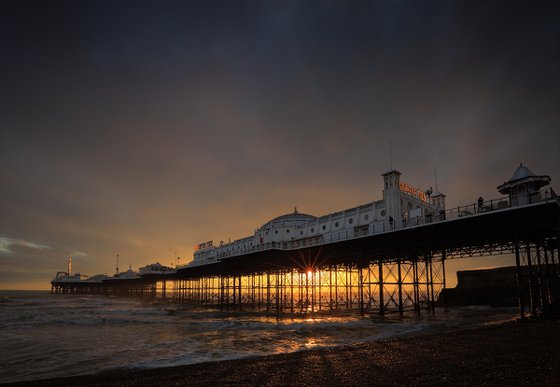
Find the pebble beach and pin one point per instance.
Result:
(511, 353)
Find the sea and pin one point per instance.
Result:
(45, 336)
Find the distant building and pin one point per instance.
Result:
(402, 206)
(156, 268)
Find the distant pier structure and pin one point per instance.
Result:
(386, 256)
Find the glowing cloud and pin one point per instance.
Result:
(6, 243)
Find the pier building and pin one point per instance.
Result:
(384, 256)
(402, 205)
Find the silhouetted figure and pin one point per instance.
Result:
(480, 203)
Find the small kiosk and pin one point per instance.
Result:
(524, 186)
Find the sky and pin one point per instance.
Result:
(142, 128)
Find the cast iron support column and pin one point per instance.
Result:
(531, 281)
(318, 289)
(234, 292)
(268, 291)
(519, 277)
(292, 290)
(443, 257)
(416, 284)
(361, 289)
(252, 291)
(313, 291)
(307, 289)
(426, 263)
(433, 301)
(336, 287)
(347, 287)
(278, 290)
(543, 288)
(399, 284)
(301, 293)
(350, 293)
(240, 293)
(222, 298)
(381, 298)
(330, 289)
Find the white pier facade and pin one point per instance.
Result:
(402, 206)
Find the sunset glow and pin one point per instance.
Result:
(144, 130)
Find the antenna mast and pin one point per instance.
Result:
(390, 156)
(117, 264)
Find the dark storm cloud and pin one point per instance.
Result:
(144, 127)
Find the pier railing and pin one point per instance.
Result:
(503, 203)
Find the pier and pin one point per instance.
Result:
(384, 257)
(396, 271)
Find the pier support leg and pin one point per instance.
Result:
(361, 289)
(330, 289)
(532, 290)
(240, 292)
(416, 284)
(444, 292)
(268, 291)
(542, 282)
(336, 287)
(381, 290)
(432, 286)
(292, 291)
(520, 284)
(399, 284)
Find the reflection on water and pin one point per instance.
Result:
(72, 335)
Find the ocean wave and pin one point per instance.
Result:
(116, 333)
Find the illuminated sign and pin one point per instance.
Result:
(413, 191)
(204, 245)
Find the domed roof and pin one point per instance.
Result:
(521, 176)
(294, 219)
(521, 172)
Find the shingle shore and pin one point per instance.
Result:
(513, 353)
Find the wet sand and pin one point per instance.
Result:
(513, 353)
